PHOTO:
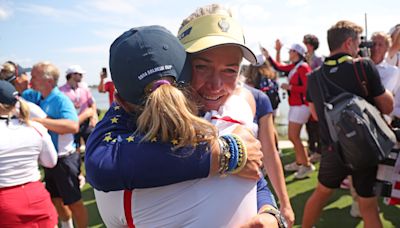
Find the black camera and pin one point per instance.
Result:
(365, 43)
(365, 47)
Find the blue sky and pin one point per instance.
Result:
(81, 31)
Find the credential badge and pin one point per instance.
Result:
(223, 25)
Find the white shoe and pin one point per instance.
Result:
(304, 171)
(292, 167)
(355, 211)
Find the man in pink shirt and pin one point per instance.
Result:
(83, 101)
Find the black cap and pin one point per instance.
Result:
(8, 94)
(142, 55)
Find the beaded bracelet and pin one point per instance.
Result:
(224, 156)
(233, 161)
(242, 154)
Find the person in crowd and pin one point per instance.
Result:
(106, 85)
(393, 55)
(83, 101)
(16, 75)
(23, 145)
(62, 122)
(389, 74)
(314, 61)
(262, 77)
(298, 112)
(312, 43)
(343, 42)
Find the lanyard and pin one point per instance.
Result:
(334, 62)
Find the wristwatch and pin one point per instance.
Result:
(277, 214)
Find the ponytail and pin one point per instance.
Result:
(169, 115)
(23, 111)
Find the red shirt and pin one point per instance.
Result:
(298, 81)
(109, 87)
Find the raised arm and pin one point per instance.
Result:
(101, 86)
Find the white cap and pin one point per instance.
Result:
(75, 69)
(299, 48)
(260, 60)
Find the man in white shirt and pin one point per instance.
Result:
(389, 74)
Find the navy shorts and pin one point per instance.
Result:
(332, 172)
(62, 181)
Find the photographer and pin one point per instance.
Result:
(344, 41)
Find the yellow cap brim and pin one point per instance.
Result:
(214, 30)
(207, 42)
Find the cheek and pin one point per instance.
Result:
(230, 84)
(197, 81)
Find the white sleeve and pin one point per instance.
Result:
(48, 154)
(35, 111)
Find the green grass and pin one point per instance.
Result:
(335, 214)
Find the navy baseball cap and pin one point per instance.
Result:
(142, 55)
(8, 94)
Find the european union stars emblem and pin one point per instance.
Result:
(108, 137)
(127, 138)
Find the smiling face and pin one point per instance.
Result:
(214, 75)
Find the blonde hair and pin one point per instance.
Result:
(206, 10)
(388, 39)
(23, 114)
(169, 115)
(253, 75)
(250, 75)
(48, 71)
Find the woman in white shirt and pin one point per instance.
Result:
(24, 200)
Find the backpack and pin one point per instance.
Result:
(270, 88)
(356, 128)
